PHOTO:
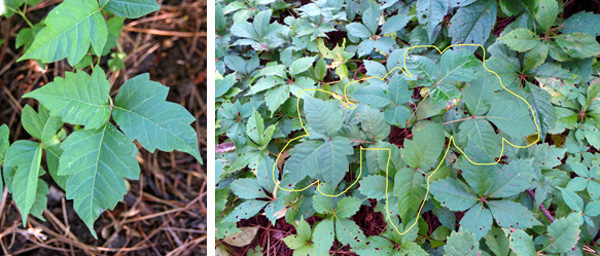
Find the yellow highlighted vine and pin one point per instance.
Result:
(350, 105)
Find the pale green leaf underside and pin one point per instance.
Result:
(70, 29)
(143, 114)
(130, 8)
(77, 98)
(97, 163)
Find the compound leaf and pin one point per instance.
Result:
(130, 8)
(142, 112)
(511, 115)
(97, 163)
(70, 29)
(77, 98)
(512, 178)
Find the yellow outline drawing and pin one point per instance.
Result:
(350, 105)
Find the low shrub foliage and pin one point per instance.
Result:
(286, 66)
(91, 163)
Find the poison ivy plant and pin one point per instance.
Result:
(93, 160)
(465, 150)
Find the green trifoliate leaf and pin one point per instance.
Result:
(373, 123)
(409, 189)
(521, 40)
(473, 23)
(578, 45)
(333, 160)
(322, 204)
(77, 98)
(509, 214)
(462, 243)
(522, 244)
(114, 26)
(563, 235)
(511, 115)
(323, 117)
(373, 96)
(546, 13)
(373, 186)
(478, 97)
(143, 114)
(452, 194)
(584, 22)
(303, 161)
(358, 30)
(40, 125)
(425, 147)
(130, 8)
(480, 133)
(97, 163)
(25, 157)
(71, 28)
(458, 66)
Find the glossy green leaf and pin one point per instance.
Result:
(563, 234)
(25, 157)
(546, 13)
(578, 45)
(451, 194)
(477, 220)
(333, 160)
(510, 214)
(324, 118)
(521, 40)
(130, 8)
(512, 178)
(584, 22)
(143, 114)
(522, 244)
(462, 243)
(71, 28)
(323, 236)
(473, 23)
(97, 162)
(347, 207)
(40, 125)
(425, 147)
(77, 99)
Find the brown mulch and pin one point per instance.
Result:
(165, 212)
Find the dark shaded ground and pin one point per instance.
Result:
(164, 212)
